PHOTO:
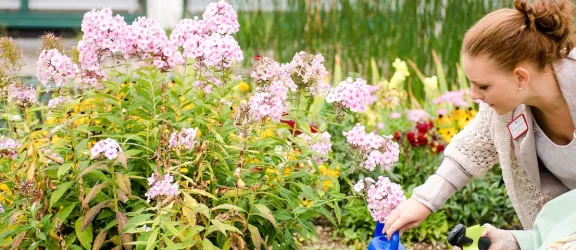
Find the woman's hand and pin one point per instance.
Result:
(409, 214)
(500, 239)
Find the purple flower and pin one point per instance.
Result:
(351, 94)
(375, 149)
(383, 197)
(161, 187)
(184, 139)
(8, 148)
(21, 95)
(108, 148)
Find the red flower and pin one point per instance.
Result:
(313, 128)
(424, 127)
(440, 148)
(397, 136)
(422, 140)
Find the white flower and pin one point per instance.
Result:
(359, 186)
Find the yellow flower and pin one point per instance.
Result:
(184, 170)
(187, 107)
(329, 172)
(401, 67)
(267, 133)
(431, 83)
(305, 202)
(272, 171)
(447, 133)
(326, 184)
(463, 121)
(243, 86)
(4, 187)
(444, 120)
(287, 171)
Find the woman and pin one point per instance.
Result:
(520, 67)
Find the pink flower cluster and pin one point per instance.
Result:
(189, 30)
(221, 18)
(161, 187)
(416, 115)
(108, 148)
(269, 101)
(184, 139)
(455, 98)
(210, 41)
(53, 103)
(321, 145)
(383, 197)
(55, 67)
(377, 150)
(351, 94)
(21, 95)
(308, 71)
(266, 71)
(103, 36)
(216, 51)
(146, 39)
(8, 148)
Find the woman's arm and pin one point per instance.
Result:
(470, 154)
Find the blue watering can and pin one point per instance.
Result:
(381, 242)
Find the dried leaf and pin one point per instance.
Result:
(99, 240)
(91, 214)
(255, 235)
(14, 217)
(122, 159)
(121, 219)
(121, 196)
(17, 240)
(93, 193)
(124, 183)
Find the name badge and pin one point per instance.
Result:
(518, 127)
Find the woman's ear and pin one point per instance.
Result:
(522, 77)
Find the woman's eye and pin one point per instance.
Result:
(484, 87)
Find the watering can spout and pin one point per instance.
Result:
(381, 241)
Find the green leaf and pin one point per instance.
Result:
(266, 214)
(222, 227)
(136, 221)
(63, 169)
(168, 225)
(228, 207)
(202, 192)
(85, 236)
(61, 190)
(87, 170)
(64, 212)
(151, 243)
(207, 245)
(169, 243)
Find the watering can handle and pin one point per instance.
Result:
(394, 240)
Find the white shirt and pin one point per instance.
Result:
(560, 160)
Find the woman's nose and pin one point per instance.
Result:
(474, 94)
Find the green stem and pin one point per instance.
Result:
(159, 214)
(111, 169)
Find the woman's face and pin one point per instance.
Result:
(496, 87)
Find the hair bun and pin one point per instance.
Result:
(551, 17)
